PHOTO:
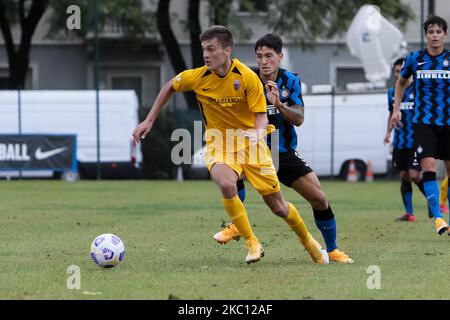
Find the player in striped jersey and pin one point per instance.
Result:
(404, 156)
(431, 122)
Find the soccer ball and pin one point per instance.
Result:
(107, 250)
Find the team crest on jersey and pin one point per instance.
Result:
(284, 93)
(445, 63)
(236, 85)
(419, 149)
(411, 96)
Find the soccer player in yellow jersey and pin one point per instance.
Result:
(285, 110)
(232, 103)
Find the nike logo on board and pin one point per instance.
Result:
(41, 155)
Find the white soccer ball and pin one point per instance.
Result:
(107, 250)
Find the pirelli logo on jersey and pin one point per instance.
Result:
(272, 110)
(226, 102)
(433, 74)
(407, 106)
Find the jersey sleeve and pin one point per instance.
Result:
(407, 69)
(255, 93)
(295, 97)
(185, 80)
(390, 96)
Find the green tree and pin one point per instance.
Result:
(136, 21)
(139, 24)
(27, 14)
(222, 13)
(304, 21)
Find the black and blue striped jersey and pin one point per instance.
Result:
(432, 80)
(289, 87)
(403, 136)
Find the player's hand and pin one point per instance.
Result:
(273, 95)
(396, 119)
(142, 130)
(387, 138)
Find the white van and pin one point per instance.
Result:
(74, 112)
(359, 128)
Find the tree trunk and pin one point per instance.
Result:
(19, 60)
(9, 44)
(194, 31)
(172, 46)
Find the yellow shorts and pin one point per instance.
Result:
(257, 166)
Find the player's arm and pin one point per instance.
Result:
(387, 137)
(402, 83)
(260, 127)
(257, 105)
(292, 113)
(261, 121)
(143, 129)
(400, 87)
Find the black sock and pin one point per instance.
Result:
(420, 186)
(406, 191)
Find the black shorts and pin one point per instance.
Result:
(405, 159)
(432, 141)
(291, 168)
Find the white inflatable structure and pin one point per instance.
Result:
(376, 42)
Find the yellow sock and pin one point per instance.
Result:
(238, 215)
(296, 223)
(444, 188)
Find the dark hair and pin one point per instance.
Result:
(435, 20)
(271, 41)
(398, 62)
(221, 33)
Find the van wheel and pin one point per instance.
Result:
(360, 166)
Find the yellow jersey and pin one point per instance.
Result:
(227, 103)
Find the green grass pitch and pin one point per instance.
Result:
(167, 227)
